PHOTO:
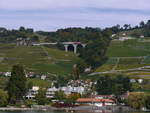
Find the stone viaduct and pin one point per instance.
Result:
(66, 45)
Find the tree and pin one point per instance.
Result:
(104, 85)
(22, 29)
(137, 100)
(3, 98)
(142, 24)
(148, 24)
(122, 83)
(94, 53)
(35, 38)
(113, 85)
(60, 95)
(41, 97)
(147, 102)
(75, 72)
(29, 102)
(29, 85)
(73, 97)
(125, 26)
(17, 84)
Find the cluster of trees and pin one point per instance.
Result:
(16, 87)
(17, 84)
(142, 29)
(139, 100)
(9, 36)
(107, 85)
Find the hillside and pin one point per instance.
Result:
(37, 59)
(127, 56)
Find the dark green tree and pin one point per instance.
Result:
(3, 98)
(17, 84)
(94, 53)
(41, 97)
(60, 95)
(147, 102)
(75, 72)
(142, 24)
(104, 85)
(113, 85)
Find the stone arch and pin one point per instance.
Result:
(70, 47)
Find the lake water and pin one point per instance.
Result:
(60, 112)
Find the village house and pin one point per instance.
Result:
(43, 77)
(51, 91)
(32, 92)
(125, 38)
(7, 74)
(69, 89)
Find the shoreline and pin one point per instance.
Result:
(109, 109)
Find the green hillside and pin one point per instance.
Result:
(37, 59)
(126, 55)
(129, 48)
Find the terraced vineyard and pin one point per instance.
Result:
(129, 48)
(127, 56)
(37, 59)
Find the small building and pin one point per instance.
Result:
(69, 89)
(51, 92)
(32, 92)
(132, 80)
(125, 38)
(43, 77)
(140, 81)
(142, 36)
(7, 74)
(87, 70)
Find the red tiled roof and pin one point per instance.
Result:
(94, 100)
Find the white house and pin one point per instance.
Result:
(32, 92)
(51, 92)
(7, 74)
(43, 77)
(125, 38)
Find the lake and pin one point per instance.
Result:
(61, 112)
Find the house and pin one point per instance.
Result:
(7, 74)
(51, 92)
(142, 36)
(69, 89)
(43, 77)
(96, 102)
(87, 70)
(140, 81)
(132, 80)
(125, 38)
(32, 92)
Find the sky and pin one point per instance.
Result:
(51, 15)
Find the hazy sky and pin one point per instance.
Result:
(53, 14)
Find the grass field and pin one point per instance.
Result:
(37, 59)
